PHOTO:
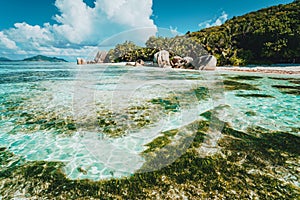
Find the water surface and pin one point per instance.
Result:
(99, 120)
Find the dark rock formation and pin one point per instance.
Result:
(176, 62)
(81, 61)
(139, 62)
(188, 62)
(183, 63)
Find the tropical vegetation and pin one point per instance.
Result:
(270, 35)
(267, 36)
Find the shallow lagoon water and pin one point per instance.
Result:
(98, 119)
(82, 95)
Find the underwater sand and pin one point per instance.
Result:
(105, 123)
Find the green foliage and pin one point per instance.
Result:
(130, 52)
(121, 51)
(177, 46)
(270, 35)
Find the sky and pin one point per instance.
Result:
(79, 28)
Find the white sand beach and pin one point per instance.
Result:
(260, 69)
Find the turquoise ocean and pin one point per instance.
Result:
(101, 123)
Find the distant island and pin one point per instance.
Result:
(4, 59)
(41, 58)
(38, 58)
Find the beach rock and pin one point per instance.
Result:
(91, 62)
(183, 63)
(176, 62)
(130, 64)
(162, 59)
(207, 62)
(188, 61)
(100, 57)
(139, 62)
(81, 61)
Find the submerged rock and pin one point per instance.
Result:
(207, 62)
(162, 59)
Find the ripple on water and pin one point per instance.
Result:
(38, 120)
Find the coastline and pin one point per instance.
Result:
(259, 69)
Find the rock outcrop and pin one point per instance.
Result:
(176, 62)
(81, 61)
(207, 62)
(162, 59)
(100, 57)
(139, 62)
(130, 64)
(188, 62)
(183, 63)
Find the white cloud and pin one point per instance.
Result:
(135, 13)
(80, 28)
(75, 20)
(24, 33)
(6, 42)
(216, 22)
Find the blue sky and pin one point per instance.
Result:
(71, 28)
(187, 15)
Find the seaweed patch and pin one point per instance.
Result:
(254, 95)
(288, 89)
(234, 85)
(241, 77)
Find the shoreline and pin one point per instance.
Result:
(259, 69)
